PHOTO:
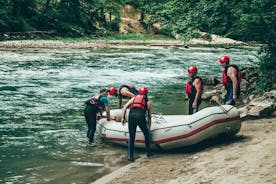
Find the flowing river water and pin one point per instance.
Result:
(42, 91)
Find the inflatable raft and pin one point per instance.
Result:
(174, 131)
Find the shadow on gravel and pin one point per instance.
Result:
(218, 142)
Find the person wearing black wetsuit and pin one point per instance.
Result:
(92, 107)
(139, 108)
(125, 92)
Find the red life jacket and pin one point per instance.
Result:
(190, 88)
(140, 101)
(226, 79)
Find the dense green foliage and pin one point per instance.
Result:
(243, 20)
(247, 20)
(250, 20)
(62, 17)
(267, 69)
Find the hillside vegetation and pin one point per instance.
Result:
(241, 20)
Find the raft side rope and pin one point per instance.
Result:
(223, 109)
(159, 119)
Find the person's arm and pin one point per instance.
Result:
(107, 113)
(232, 73)
(119, 102)
(197, 84)
(107, 110)
(124, 110)
(149, 112)
(125, 92)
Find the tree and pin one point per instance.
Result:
(4, 16)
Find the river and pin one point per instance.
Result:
(42, 91)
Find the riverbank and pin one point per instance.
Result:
(92, 44)
(249, 157)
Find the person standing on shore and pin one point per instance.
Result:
(194, 89)
(139, 108)
(231, 78)
(125, 91)
(93, 106)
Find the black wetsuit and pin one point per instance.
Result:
(132, 90)
(192, 96)
(90, 113)
(137, 117)
(93, 106)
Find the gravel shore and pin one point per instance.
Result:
(56, 44)
(248, 158)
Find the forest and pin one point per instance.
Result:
(246, 20)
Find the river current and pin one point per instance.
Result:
(42, 91)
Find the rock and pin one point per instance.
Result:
(219, 87)
(208, 94)
(216, 100)
(245, 100)
(186, 97)
(270, 94)
(156, 26)
(211, 81)
(253, 85)
(259, 112)
(259, 107)
(177, 36)
(243, 85)
(243, 112)
(262, 102)
(251, 97)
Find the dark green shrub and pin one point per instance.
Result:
(267, 69)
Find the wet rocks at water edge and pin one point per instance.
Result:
(211, 81)
(259, 107)
(250, 105)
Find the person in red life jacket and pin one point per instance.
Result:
(140, 107)
(194, 89)
(231, 78)
(125, 91)
(93, 106)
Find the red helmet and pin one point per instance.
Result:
(112, 91)
(224, 59)
(143, 90)
(192, 69)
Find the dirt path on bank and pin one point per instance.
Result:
(249, 158)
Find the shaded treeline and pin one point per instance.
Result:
(61, 17)
(248, 20)
(245, 20)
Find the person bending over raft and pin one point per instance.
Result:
(93, 106)
(125, 91)
(139, 108)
